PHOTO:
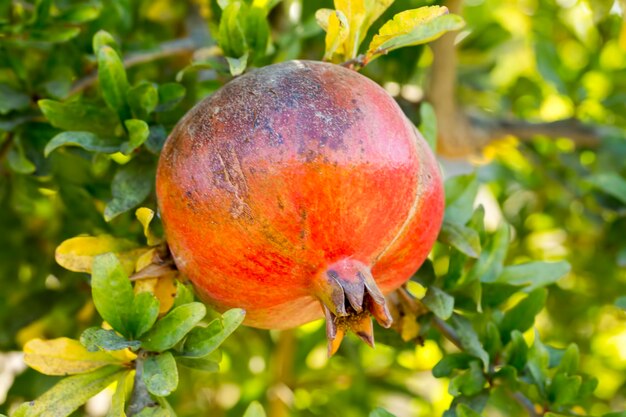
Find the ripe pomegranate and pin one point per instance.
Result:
(296, 191)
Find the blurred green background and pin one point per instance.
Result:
(521, 66)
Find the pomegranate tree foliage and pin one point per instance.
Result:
(513, 313)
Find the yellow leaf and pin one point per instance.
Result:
(413, 27)
(64, 356)
(338, 31)
(77, 253)
(322, 16)
(355, 13)
(145, 216)
(145, 259)
(374, 8)
(163, 288)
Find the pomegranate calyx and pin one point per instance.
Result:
(349, 297)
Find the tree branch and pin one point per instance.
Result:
(461, 134)
(165, 50)
(140, 397)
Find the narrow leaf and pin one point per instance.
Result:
(204, 340)
(534, 274)
(171, 329)
(96, 339)
(113, 81)
(138, 132)
(85, 140)
(72, 392)
(413, 27)
(469, 339)
(79, 116)
(460, 237)
(439, 302)
(131, 185)
(522, 316)
(77, 253)
(64, 356)
(144, 314)
(112, 292)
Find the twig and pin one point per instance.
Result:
(165, 50)
(140, 398)
(462, 134)
(526, 403)
(447, 331)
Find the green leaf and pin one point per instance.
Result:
(564, 389)
(113, 81)
(209, 363)
(118, 401)
(172, 328)
(460, 193)
(516, 352)
(610, 183)
(138, 132)
(469, 339)
(170, 94)
(143, 100)
(79, 116)
(615, 414)
(460, 237)
(257, 31)
(130, 187)
(492, 341)
(254, 410)
(144, 313)
(204, 340)
(428, 124)
(85, 140)
(12, 99)
(534, 274)
(72, 392)
(538, 362)
(450, 362)
(17, 159)
(490, 263)
(160, 374)
(439, 302)
(570, 360)
(112, 291)
(184, 294)
(96, 339)
(522, 316)
(463, 410)
(81, 13)
(469, 383)
(413, 27)
(231, 36)
(381, 412)
(237, 65)
(103, 38)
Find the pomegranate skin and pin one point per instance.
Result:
(286, 171)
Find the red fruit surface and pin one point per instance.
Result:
(294, 177)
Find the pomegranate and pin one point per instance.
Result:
(297, 191)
